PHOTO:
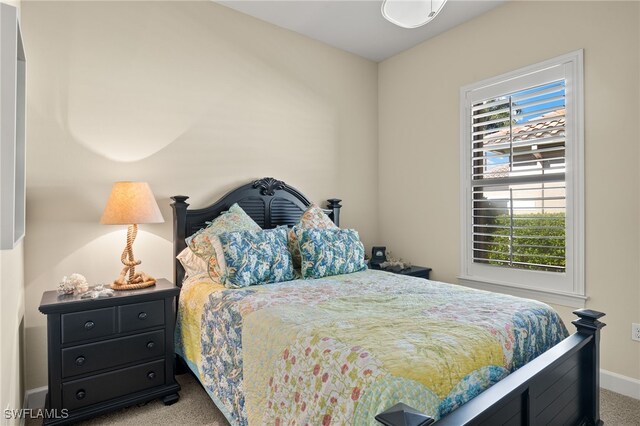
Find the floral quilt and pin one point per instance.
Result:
(340, 349)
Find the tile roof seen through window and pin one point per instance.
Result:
(547, 125)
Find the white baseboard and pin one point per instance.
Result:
(620, 384)
(24, 405)
(34, 398)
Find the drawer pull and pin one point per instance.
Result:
(150, 345)
(142, 315)
(81, 394)
(151, 375)
(80, 361)
(89, 325)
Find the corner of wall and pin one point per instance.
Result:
(11, 327)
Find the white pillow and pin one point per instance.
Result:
(221, 263)
(192, 264)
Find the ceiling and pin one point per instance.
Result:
(357, 26)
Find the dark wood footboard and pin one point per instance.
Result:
(560, 387)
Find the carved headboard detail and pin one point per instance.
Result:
(268, 201)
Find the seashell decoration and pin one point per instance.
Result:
(75, 283)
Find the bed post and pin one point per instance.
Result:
(334, 205)
(179, 233)
(589, 325)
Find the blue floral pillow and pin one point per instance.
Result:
(256, 257)
(326, 252)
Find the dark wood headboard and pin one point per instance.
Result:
(268, 201)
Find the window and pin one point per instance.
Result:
(521, 144)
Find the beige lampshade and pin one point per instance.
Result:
(131, 203)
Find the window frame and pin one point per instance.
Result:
(567, 288)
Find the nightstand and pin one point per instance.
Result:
(415, 271)
(110, 353)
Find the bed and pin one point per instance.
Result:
(343, 349)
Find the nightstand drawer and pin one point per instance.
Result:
(102, 387)
(138, 316)
(111, 353)
(78, 326)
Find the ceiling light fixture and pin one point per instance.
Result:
(411, 13)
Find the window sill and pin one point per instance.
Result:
(557, 298)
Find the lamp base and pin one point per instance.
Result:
(136, 280)
(140, 280)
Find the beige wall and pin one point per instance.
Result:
(11, 316)
(419, 154)
(193, 98)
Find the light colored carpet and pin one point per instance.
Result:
(195, 408)
(618, 410)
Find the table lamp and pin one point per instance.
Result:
(131, 203)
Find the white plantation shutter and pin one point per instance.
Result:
(521, 178)
(518, 194)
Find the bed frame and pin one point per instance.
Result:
(561, 386)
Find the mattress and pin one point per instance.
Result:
(339, 350)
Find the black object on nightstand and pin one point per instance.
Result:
(111, 352)
(414, 271)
